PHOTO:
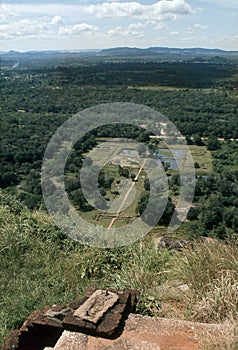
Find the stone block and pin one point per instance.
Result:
(111, 326)
(75, 324)
(120, 309)
(72, 341)
(58, 313)
(123, 297)
(96, 306)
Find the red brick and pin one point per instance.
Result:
(77, 303)
(110, 326)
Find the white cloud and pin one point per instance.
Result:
(161, 10)
(38, 25)
(127, 32)
(186, 38)
(56, 20)
(24, 28)
(135, 29)
(136, 25)
(200, 26)
(6, 11)
(38, 28)
(77, 29)
(122, 23)
(159, 26)
(195, 27)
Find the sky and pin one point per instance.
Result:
(96, 24)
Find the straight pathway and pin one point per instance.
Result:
(126, 196)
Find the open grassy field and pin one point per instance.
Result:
(128, 212)
(200, 154)
(203, 157)
(108, 156)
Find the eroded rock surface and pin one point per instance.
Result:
(96, 305)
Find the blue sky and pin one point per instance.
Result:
(95, 24)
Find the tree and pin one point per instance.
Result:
(166, 165)
(32, 183)
(193, 214)
(212, 212)
(147, 184)
(213, 143)
(188, 140)
(8, 178)
(196, 165)
(30, 200)
(174, 180)
(78, 198)
(197, 140)
(133, 176)
(123, 172)
(156, 208)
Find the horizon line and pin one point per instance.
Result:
(117, 47)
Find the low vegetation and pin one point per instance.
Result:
(39, 266)
(210, 270)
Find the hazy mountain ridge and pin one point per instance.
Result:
(129, 52)
(151, 51)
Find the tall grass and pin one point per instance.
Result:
(40, 266)
(32, 264)
(144, 269)
(211, 272)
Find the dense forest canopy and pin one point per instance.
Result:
(41, 91)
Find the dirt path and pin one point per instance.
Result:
(126, 196)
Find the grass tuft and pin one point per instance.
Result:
(211, 272)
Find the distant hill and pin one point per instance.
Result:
(154, 53)
(164, 51)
